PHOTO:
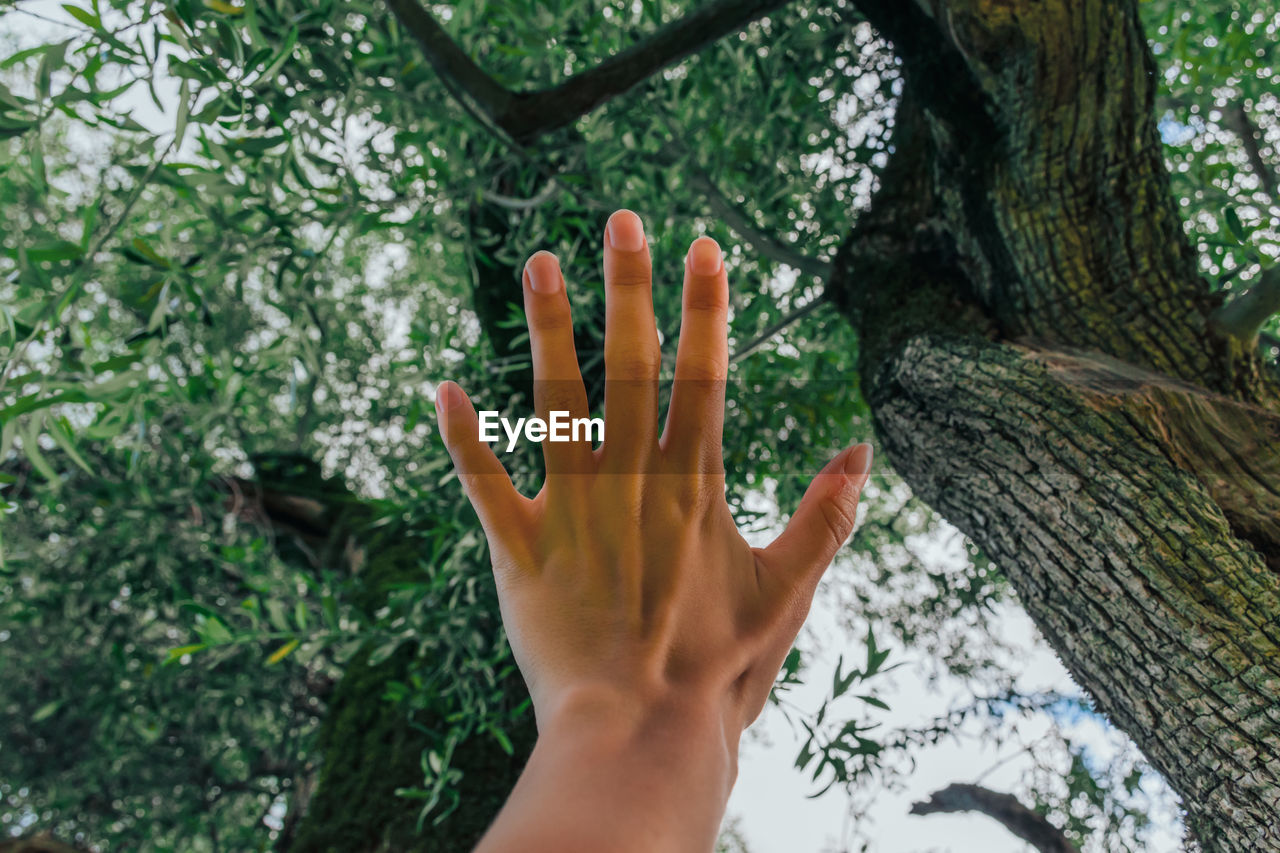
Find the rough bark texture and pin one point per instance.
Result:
(1039, 360)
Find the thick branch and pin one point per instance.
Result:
(1017, 818)
(449, 60)
(525, 115)
(1243, 317)
(1136, 517)
(939, 72)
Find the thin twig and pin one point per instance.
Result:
(1240, 121)
(760, 340)
(734, 216)
(522, 203)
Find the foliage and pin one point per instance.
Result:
(236, 235)
(1220, 65)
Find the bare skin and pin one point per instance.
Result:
(647, 629)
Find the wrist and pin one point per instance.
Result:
(610, 707)
(673, 730)
(621, 772)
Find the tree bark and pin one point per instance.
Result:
(1038, 355)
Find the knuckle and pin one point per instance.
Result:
(556, 397)
(702, 367)
(707, 297)
(549, 320)
(630, 277)
(633, 363)
(839, 514)
(693, 495)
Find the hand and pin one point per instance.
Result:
(627, 592)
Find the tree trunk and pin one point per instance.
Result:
(1037, 354)
(368, 746)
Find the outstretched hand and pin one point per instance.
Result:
(634, 607)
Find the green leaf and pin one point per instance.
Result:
(184, 112)
(31, 448)
(8, 432)
(175, 654)
(212, 630)
(281, 57)
(55, 56)
(875, 657)
(143, 248)
(11, 127)
(840, 684)
(51, 250)
(503, 741)
(283, 652)
(23, 55)
(871, 700)
(276, 615)
(60, 431)
(44, 712)
(86, 18)
(1234, 226)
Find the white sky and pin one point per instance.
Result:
(770, 799)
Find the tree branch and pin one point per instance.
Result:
(763, 338)
(525, 115)
(733, 216)
(678, 157)
(40, 843)
(1242, 124)
(1017, 818)
(1243, 317)
(449, 60)
(513, 203)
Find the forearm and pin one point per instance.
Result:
(613, 779)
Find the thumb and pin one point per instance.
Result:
(825, 517)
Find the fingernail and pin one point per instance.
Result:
(448, 396)
(544, 272)
(704, 256)
(625, 231)
(858, 463)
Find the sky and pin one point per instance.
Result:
(770, 802)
